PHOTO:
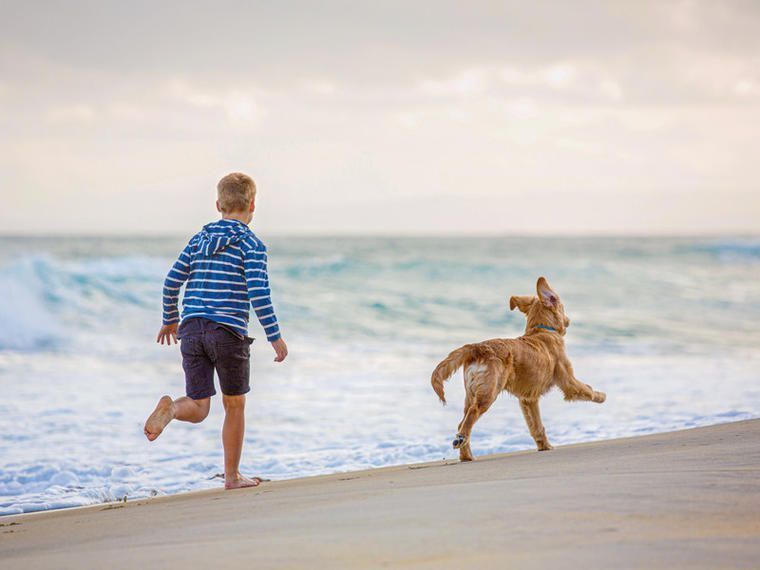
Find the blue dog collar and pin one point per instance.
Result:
(548, 328)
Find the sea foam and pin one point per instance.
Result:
(666, 327)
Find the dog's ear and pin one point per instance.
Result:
(523, 302)
(547, 295)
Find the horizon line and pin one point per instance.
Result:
(389, 235)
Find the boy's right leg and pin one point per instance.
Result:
(233, 433)
(184, 409)
(189, 410)
(233, 354)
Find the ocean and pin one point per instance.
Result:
(668, 328)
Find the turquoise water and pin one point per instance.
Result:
(667, 327)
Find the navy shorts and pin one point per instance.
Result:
(207, 346)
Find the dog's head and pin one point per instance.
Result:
(544, 309)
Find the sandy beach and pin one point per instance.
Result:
(687, 499)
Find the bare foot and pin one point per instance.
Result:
(161, 416)
(240, 482)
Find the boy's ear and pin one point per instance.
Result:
(523, 302)
(547, 295)
(252, 207)
(218, 207)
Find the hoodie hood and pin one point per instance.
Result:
(217, 236)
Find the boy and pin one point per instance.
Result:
(224, 267)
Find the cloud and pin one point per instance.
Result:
(746, 88)
(238, 105)
(559, 76)
(611, 89)
(408, 101)
(583, 80)
(522, 108)
(407, 119)
(465, 83)
(80, 112)
(320, 86)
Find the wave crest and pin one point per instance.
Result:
(43, 297)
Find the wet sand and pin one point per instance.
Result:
(682, 499)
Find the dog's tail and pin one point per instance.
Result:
(448, 366)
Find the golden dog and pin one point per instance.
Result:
(527, 366)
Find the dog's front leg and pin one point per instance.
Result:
(573, 388)
(533, 418)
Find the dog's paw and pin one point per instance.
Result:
(458, 441)
(545, 446)
(599, 397)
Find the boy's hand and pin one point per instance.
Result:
(281, 349)
(168, 332)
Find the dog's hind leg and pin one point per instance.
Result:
(467, 404)
(462, 440)
(459, 439)
(477, 408)
(533, 419)
(481, 384)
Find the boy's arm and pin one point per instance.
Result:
(177, 275)
(257, 280)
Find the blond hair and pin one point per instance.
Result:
(235, 192)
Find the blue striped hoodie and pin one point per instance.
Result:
(223, 268)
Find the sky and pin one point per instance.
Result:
(421, 117)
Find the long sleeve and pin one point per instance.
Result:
(177, 275)
(257, 281)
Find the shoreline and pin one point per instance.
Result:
(339, 474)
(643, 498)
